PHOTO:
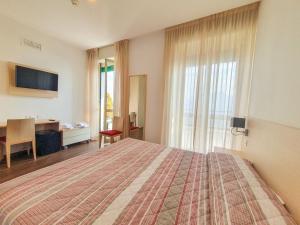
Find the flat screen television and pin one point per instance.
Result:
(36, 79)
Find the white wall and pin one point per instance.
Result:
(276, 77)
(68, 61)
(146, 57)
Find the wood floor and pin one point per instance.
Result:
(22, 163)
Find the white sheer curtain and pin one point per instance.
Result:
(208, 65)
(121, 86)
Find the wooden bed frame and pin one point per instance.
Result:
(274, 150)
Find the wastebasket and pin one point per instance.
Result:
(47, 142)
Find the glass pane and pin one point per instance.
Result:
(102, 96)
(216, 92)
(110, 99)
(107, 77)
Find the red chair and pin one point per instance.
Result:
(117, 131)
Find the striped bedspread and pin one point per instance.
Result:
(135, 182)
(238, 196)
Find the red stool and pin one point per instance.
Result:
(117, 131)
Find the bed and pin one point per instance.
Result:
(136, 182)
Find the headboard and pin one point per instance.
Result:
(274, 150)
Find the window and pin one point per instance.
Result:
(220, 99)
(208, 67)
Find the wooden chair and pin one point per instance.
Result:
(17, 132)
(117, 130)
(132, 121)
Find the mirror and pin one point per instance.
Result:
(137, 106)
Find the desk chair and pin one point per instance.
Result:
(17, 132)
(132, 121)
(117, 130)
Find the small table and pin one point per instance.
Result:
(75, 135)
(137, 133)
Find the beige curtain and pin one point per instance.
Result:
(92, 92)
(121, 95)
(208, 66)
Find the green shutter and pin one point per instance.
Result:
(109, 69)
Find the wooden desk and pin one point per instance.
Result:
(39, 125)
(37, 122)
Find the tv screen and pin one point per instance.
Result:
(36, 79)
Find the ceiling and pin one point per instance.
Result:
(96, 23)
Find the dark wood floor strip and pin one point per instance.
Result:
(23, 164)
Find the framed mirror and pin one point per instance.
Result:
(137, 106)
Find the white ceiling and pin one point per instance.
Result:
(97, 23)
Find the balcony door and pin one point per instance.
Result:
(107, 79)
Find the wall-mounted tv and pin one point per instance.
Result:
(36, 79)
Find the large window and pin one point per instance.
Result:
(208, 65)
(220, 99)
